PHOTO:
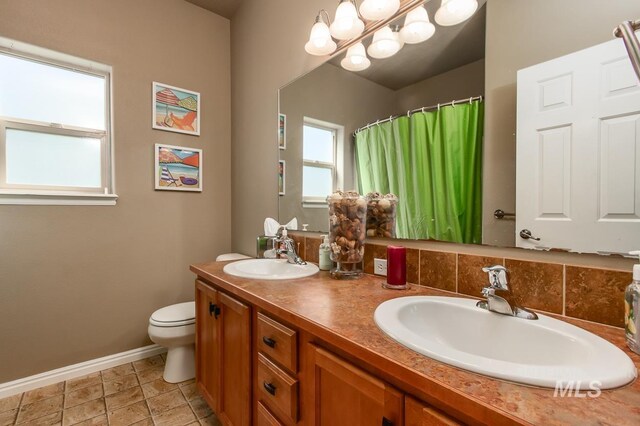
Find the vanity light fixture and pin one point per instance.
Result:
(385, 44)
(376, 10)
(356, 59)
(453, 12)
(417, 27)
(347, 24)
(320, 42)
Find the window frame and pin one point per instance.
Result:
(60, 195)
(311, 201)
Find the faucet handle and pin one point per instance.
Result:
(497, 277)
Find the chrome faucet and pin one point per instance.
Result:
(498, 281)
(282, 244)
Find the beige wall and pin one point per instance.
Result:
(77, 283)
(521, 33)
(459, 83)
(337, 96)
(261, 65)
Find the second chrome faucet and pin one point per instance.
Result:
(498, 281)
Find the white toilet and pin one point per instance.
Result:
(174, 327)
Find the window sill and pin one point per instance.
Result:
(61, 198)
(315, 205)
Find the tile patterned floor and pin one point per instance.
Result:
(128, 394)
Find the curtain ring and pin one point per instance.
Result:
(470, 99)
(423, 110)
(453, 104)
(480, 98)
(438, 106)
(408, 115)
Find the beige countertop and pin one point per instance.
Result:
(341, 313)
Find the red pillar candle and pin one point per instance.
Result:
(396, 266)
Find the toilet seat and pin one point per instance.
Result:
(177, 315)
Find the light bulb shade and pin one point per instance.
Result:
(384, 44)
(375, 10)
(320, 42)
(453, 12)
(356, 59)
(346, 24)
(417, 27)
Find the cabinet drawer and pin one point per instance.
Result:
(417, 413)
(265, 418)
(276, 389)
(278, 342)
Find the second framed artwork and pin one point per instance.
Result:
(282, 172)
(176, 109)
(178, 168)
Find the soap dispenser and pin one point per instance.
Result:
(324, 255)
(632, 308)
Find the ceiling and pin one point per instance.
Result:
(224, 8)
(449, 48)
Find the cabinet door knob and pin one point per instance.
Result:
(386, 422)
(269, 388)
(214, 310)
(269, 342)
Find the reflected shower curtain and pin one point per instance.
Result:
(433, 162)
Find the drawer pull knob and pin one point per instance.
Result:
(269, 388)
(269, 342)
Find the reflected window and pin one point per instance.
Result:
(319, 141)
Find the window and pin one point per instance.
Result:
(55, 143)
(319, 153)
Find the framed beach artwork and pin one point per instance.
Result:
(176, 109)
(281, 176)
(282, 131)
(178, 168)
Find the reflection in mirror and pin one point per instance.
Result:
(449, 66)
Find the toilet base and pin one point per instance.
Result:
(180, 364)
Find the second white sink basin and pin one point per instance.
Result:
(269, 269)
(543, 352)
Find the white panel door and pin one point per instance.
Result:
(578, 152)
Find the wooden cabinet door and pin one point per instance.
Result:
(207, 354)
(417, 413)
(344, 395)
(235, 366)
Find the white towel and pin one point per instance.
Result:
(271, 226)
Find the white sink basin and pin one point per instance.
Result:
(534, 352)
(269, 269)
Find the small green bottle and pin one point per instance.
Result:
(324, 255)
(632, 309)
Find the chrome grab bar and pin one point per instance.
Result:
(626, 31)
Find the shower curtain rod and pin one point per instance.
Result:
(423, 109)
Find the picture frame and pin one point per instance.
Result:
(282, 176)
(175, 109)
(177, 168)
(282, 131)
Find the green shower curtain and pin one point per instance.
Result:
(433, 162)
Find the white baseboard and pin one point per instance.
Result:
(77, 370)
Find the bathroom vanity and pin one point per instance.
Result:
(307, 351)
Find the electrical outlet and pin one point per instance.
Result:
(380, 267)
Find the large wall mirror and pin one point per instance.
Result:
(458, 93)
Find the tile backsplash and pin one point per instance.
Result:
(593, 294)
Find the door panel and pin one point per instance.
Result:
(578, 144)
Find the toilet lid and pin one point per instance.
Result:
(174, 315)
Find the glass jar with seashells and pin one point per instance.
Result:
(347, 232)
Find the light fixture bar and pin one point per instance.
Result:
(373, 26)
